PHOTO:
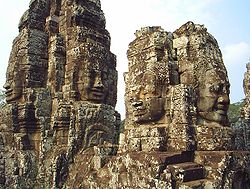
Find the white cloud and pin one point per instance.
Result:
(130, 13)
(235, 58)
(236, 53)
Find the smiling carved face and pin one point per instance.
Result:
(13, 85)
(92, 84)
(147, 100)
(213, 99)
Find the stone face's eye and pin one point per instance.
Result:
(148, 89)
(9, 76)
(216, 88)
(131, 99)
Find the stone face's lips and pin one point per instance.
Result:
(8, 92)
(221, 112)
(97, 92)
(97, 95)
(139, 111)
(221, 109)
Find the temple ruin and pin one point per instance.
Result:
(60, 128)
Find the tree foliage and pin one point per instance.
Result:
(234, 111)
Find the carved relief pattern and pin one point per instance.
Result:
(60, 128)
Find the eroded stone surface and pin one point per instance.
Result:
(61, 91)
(201, 65)
(242, 126)
(60, 129)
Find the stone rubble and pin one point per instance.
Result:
(60, 128)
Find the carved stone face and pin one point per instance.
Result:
(13, 85)
(92, 84)
(96, 134)
(213, 99)
(147, 101)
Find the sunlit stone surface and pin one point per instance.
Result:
(60, 129)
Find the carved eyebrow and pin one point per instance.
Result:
(9, 76)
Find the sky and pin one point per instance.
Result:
(226, 20)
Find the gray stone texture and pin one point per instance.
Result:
(60, 128)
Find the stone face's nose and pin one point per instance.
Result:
(223, 99)
(137, 103)
(222, 102)
(6, 85)
(98, 82)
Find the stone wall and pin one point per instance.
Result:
(60, 128)
(61, 92)
(242, 126)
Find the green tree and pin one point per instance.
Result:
(234, 111)
(2, 99)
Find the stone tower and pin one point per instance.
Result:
(172, 138)
(61, 92)
(242, 126)
(177, 97)
(157, 105)
(60, 129)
